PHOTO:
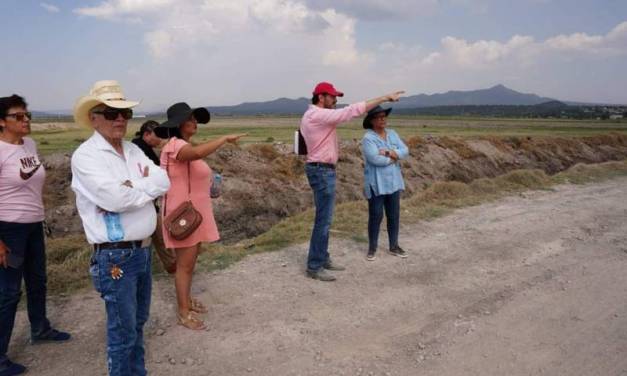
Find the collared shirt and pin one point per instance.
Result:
(98, 172)
(22, 178)
(382, 175)
(318, 129)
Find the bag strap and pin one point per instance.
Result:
(189, 185)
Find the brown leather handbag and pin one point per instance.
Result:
(184, 219)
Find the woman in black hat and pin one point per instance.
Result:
(146, 139)
(382, 149)
(190, 179)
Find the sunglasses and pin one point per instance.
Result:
(20, 116)
(112, 113)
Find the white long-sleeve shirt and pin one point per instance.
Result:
(98, 172)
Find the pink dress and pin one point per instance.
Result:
(200, 182)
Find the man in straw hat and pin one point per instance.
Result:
(115, 186)
(318, 129)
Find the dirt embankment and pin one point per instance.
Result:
(265, 183)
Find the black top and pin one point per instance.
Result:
(146, 149)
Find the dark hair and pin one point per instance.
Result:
(148, 126)
(368, 123)
(9, 102)
(315, 99)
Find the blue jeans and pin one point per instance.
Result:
(392, 205)
(127, 302)
(28, 260)
(322, 182)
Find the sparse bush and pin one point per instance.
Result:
(527, 178)
(265, 151)
(458, 147)
(415, 142)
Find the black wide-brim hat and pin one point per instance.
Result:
(374, 111)
(178, 113)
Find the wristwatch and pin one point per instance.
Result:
(387, 153)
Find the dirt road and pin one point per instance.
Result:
(530, 285)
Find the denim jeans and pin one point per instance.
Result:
(26, 243)
(127, 302)
(322, 182)
(392, 205)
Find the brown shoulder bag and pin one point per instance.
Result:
(184, 219)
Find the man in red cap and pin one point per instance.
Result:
(318, 129)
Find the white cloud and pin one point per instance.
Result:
(378, 9)
(224, 51)
(50, 8)
(122, 8)
(240, 46)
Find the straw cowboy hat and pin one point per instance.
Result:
(108, 92)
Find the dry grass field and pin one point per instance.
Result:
(55, 137)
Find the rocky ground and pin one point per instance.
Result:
(529, 285)
(265, 183)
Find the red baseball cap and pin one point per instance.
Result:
(327, 88)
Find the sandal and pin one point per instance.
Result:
(190, 321)
(196, 305)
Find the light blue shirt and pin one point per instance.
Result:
(381, 174)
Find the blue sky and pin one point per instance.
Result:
(221, 52)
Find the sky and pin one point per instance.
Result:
(225, 52)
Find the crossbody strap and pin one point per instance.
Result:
(189, 185)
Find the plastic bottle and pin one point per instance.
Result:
(115, 232)
(216, 187)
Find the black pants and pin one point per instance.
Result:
(392, 205)
(28, 259)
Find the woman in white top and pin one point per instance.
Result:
(22, 248)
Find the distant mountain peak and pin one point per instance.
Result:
(496, 95)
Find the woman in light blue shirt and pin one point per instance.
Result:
(382, 149)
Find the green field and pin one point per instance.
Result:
(276, 128)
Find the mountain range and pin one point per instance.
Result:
(496, 95)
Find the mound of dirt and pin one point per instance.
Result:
(264, 183)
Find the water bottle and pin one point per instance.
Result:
(216, 187)
(115, 232)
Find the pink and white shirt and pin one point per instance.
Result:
(318, 129)
(22, 179)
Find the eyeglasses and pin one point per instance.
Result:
(113, 113)
(19, 116)
(378, 117)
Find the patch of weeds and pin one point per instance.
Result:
(359, 238)
(459, 147)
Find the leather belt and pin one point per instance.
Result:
(320, 164)
(123, 245)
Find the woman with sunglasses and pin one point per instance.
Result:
(190, 179)
(382, 149)
(22, 248)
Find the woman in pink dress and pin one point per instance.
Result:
(190, 179)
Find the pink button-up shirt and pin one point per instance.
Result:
(318, 129)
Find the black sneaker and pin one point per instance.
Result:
(52, 335)
(330, 265)
(370, 256)
(8, 368)
(398, 251)
(321, 275)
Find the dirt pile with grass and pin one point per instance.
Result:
(264, 183)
